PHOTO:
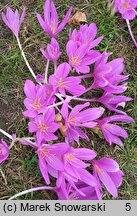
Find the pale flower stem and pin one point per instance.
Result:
(85, 76)
(30, 69)
(55, 67)
(60, 97)
(46, 72)
(32, 190)
(3, 177)
(83, 99)
(6, 134)
(131, 33)
(56, 104)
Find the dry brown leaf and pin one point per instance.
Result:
(77, 18)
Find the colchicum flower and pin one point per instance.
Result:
(107, 170)
(113, 101)
(50, 24)
(80, 57)
(53, 51)
(4, 151)
(36, 101)
(107, 76)
(86, 36)
(50, 158)
(44, 126)
(61, 83)
(111, 131)
(13, 21)
(78, 118)
(126, 8)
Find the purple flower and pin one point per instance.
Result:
(50, 24)
(126, 8)
(81, 57)
(53, 51)
(80, 191)
(107, 76)
(86, 36)
(62, 83)
(78, 118)
(74, 167)
(4, 151)
(111, 131)
(50, 156)
(13, 21)
(44, 126)
(36, 99)
(113, 101)
(107, 170)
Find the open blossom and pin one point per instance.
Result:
(107, 171)
(50, 24)
(61, 83)
(86, 36)
(44, 126)
(81, 191)
(80, 57)
(50, 156)
(126, 8)
(111, 131)
(78, 118)
(4, 151)
(36, 101)
(74, 167)
(107, 76)
(53, 51)
(13, 21)
(113, 101)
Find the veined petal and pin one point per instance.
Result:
(47, 10)
(29, 89)
(107, 164)
(43, 169)
(84, 154)
(117, 130)
(108, 183)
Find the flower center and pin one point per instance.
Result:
(60, 83)
(125, 5)
(100, 171)
(75, 60)
(36, 105)
(0, 151)
(53, 27)
(44, 153)
(69, 157)
(43, 128)
(71, 120)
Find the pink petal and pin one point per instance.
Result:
(84, 154)
(109, 184)
(43, 169)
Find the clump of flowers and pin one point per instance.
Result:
(127, 9)
(53, 118)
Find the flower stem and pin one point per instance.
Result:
(46, 72)
(56, 104)
(6, 134)
(3, 176)
(55, 67)
(85, 76)
(23, 54)
(131, 33)
(32, 190)
(83, 99)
